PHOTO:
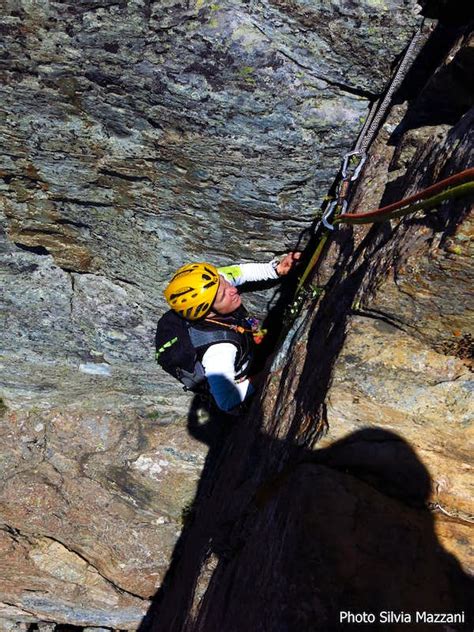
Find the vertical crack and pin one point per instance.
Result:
(73, 289)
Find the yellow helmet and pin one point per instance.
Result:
(192, 290)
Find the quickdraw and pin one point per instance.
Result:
(355, 160)
(350, 173)
(456, 186)
(352, 165)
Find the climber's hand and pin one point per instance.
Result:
(287, 263)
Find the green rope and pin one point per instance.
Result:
(313, 261)
(459, 191)
(454, 192)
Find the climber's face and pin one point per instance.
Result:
(227, 298)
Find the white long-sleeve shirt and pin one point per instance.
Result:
(219, 360)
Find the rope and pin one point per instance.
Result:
(378, 111)
(313, 261)
(455, 192)
(435, 194)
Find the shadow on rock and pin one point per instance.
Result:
(335, 533)
(209, 425)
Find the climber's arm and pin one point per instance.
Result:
(251, 272)
(219, 362)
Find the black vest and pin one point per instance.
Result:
(204, 334)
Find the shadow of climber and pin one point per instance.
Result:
(335, 533)
(211, 426)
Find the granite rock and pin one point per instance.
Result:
(139, 135)
(356, 483)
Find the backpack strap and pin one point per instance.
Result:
(202, 338)
(194, 381)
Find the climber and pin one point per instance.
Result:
(206, 340)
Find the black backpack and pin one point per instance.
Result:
(180, 345)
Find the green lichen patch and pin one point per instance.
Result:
(246, 73)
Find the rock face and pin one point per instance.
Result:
(356, 483)
(140, 135)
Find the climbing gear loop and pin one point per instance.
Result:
(253, 327)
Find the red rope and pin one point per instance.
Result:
(467, 174)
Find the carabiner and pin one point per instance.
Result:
(346, 160)
(328, 212)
